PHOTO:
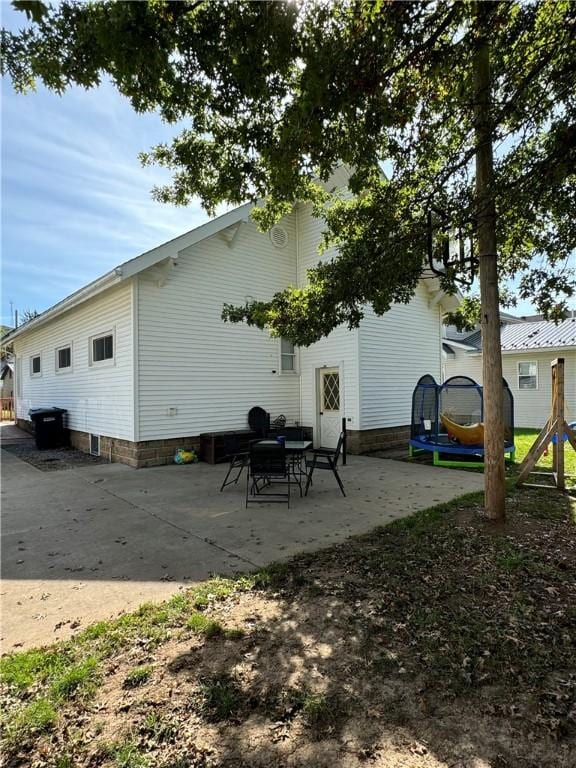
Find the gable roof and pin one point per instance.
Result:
(168, 250)
(160, 253)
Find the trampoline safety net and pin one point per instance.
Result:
(459, 398)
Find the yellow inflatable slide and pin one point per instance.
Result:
(466, 435)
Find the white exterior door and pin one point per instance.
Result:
(330, 421)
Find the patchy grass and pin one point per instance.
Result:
(320, 713)
(70, 671)
(21, 670)
(442, 638)
(219, 589)
(80, 679)
(160, 729)
(127, 754)
(202, 625)
(220, 698)
(33, 719)
(138, 676)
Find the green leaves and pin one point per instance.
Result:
(33, 9)
(276, 94)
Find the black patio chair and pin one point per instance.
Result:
(238, 459)
(325, 458)
(267, 466)
(294, 434)
(259, 421)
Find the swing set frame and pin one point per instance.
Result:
(556, 430)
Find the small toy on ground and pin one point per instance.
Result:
(183, 456)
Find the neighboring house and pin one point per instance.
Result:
(528, 347)
(6, 378)
(6, 366)
(144, 364)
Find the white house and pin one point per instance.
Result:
(143, 363)
(529, 345)
(6, 378)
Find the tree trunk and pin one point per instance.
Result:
(494, 467)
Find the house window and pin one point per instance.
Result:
(35, 366)
(102, 348)
(287, 356)
(528, 375)
(64, 358)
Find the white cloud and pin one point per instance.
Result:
(76, 201)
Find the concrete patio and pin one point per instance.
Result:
(86, 544)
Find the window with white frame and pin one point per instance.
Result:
(64, 358)
(102, 348)
(287, 356)
(35, 365)
(528, 374)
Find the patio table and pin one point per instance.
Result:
(292, 446)
(296, 449)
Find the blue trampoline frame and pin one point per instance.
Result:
(438, 443)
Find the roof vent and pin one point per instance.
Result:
(279, 236)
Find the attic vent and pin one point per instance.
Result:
(279, 237)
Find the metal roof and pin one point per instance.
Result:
(542, 334)
(474, 340)
(539, 335)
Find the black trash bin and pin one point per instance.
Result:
(49, 427)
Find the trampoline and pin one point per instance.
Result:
(460, 401)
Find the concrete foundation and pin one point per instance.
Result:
(146, 453)
(155, 453)
(369, 440)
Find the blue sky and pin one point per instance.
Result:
(75, 200)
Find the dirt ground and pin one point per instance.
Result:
(52, 460)
(443, 640)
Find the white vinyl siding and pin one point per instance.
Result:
(396, 349)
(532, 407)
(338, 350)
(98, 399)
(196, 373)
